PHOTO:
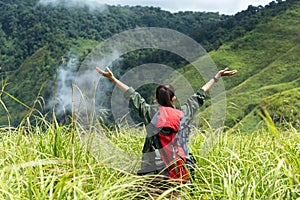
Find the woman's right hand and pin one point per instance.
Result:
(107, 73)
(110, 75)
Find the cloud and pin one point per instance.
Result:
(77, 86)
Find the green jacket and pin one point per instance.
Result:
(150, 163)
(147, 111)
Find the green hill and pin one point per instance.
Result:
(37, 40)
(261, 42)
(268, 62)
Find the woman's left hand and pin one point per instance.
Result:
(225, 72)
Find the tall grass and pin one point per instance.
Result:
(49, 161)
(42, 159)
(256, 166)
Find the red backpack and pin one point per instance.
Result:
(167, 122)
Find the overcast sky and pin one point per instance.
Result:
(229, 7)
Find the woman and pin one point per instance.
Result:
(164, 114)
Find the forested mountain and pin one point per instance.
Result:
(268, 84)
(35, 39)
(27, 26)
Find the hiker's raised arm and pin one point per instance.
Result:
(108, 74)
(224, 72)
(134, 98)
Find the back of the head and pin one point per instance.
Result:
(164, 95)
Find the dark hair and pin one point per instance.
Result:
(164, 95)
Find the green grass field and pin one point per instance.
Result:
(48, 161)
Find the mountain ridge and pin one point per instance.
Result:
(237, 41)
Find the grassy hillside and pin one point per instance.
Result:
(283, 108)
(268, 62)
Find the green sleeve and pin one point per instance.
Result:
(144, 109)
(191, 106)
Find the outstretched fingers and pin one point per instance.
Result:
(99, 70)
(106, 73)
(225, 72)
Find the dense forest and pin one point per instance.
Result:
(36, 39)
(29, 26)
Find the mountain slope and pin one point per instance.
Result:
(268, 62)
(38, 40)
